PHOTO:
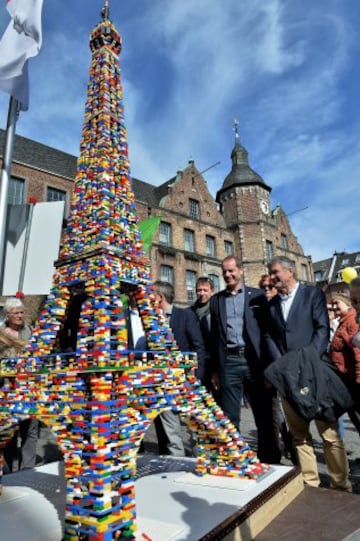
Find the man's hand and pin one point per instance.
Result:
(215, 381)
(267, 384)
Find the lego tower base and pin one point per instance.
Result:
(172, 505)
(179, 506)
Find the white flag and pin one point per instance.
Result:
(22, 40)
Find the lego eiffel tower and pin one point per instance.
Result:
(77, 374)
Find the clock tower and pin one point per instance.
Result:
(244, 200)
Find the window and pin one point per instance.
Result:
(189, 240)
(210, 246)
(165, 233)
(215, 278)
(190, 285)
(345, 261)
(53, 194)
(194, 209)
(269, 250)
(284, 242)
(318, 275)
(304, 272)
(229, 249)
(16, 191)
(357, 258)
(167, 274)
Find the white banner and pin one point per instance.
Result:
(42, 248)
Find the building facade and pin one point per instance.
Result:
(259, 232)
(196, 230)
(328, 272)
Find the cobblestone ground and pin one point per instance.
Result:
(351, 440)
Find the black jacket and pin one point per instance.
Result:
(255, 311)
(310, 385)
(186, 328)
(307, 323)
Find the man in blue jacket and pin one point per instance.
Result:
(186, 329)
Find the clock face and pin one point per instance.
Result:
(264, 206)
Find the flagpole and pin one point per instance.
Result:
(26, 248)
(5, 180)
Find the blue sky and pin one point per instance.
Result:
(287, 70)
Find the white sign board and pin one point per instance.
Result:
(43, 247)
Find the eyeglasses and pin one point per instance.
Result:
(266, 287)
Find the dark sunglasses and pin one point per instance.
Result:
(267, 287)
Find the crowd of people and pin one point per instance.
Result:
(250, 334)
(255, 346)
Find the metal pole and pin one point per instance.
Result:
(5, 179)
(26, 249)
(105, 10)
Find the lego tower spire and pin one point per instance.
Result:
(103, 207)
(105, 10)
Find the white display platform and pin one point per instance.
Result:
(171, 505)
(25, 513)
(178, 506)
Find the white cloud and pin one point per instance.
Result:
(273, 54)
(329, 223)
(285, 70)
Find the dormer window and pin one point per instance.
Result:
(194, 209)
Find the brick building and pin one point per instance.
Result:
(196, 231)
(259, 233)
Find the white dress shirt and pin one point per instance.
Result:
(287, 300)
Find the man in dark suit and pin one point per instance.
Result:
(201, 307)
(236, 315)
(186, 329)
(299, 318)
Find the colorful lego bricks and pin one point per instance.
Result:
(98, 397)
